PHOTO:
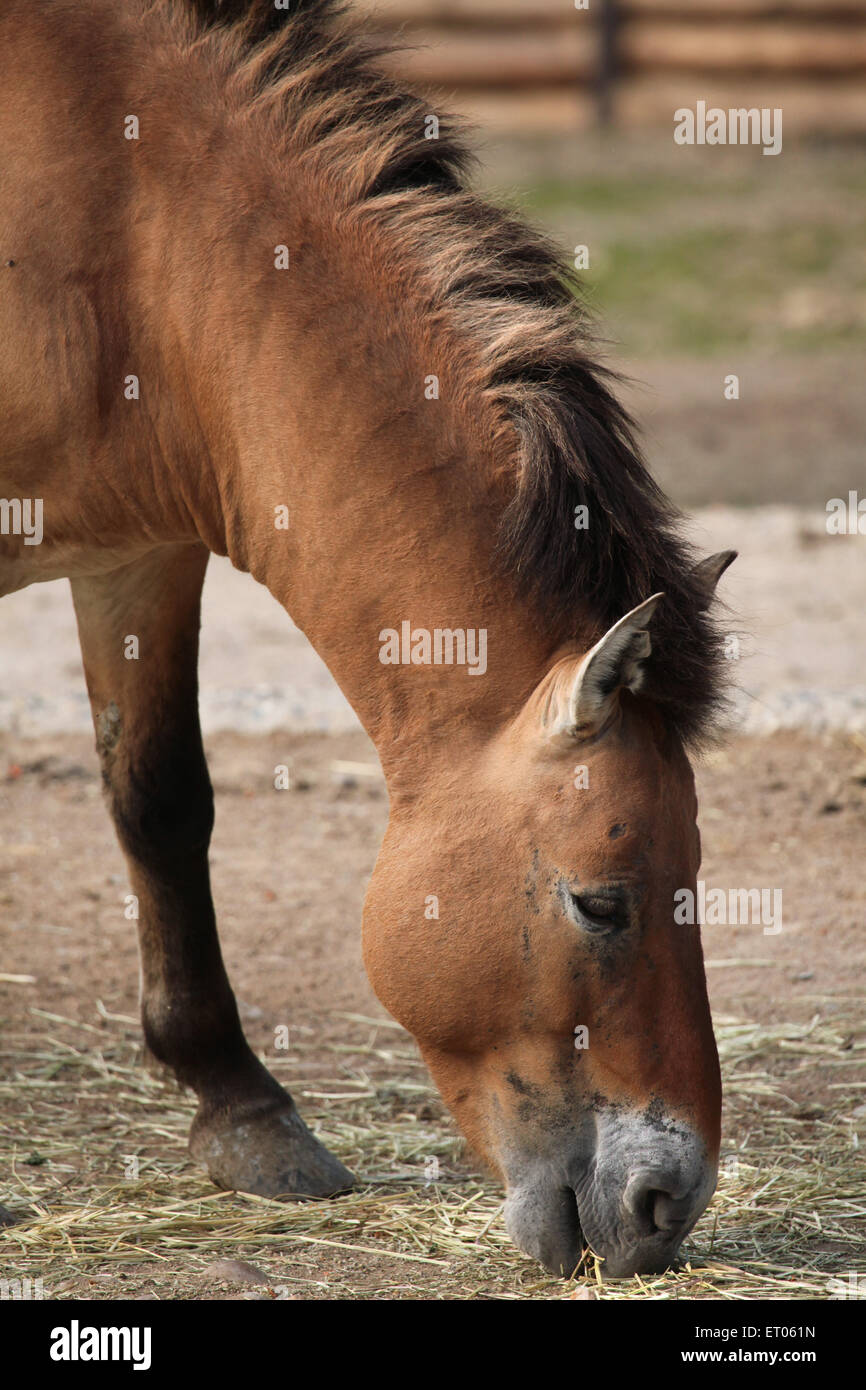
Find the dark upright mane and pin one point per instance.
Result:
(508, 294)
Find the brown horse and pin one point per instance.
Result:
(248, 306)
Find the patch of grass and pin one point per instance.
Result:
(614, 193)
(702, 258)
(708, 289)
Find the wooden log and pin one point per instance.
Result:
(772, 48)
(478, 61)
(499, 13)
(487, 14)
(527, 59)
(529, 112)
(816, 11)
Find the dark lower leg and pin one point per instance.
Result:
(246, 1130)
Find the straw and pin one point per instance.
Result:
(789, 1215)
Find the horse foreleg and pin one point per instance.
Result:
(246, 1131)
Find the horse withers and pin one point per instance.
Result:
(236, 279)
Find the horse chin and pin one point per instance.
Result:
(544, 1223)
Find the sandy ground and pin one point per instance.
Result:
(794, 438)
(796, 600)
(290, 869)
(786, 811)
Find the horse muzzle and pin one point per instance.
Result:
(632, 1201)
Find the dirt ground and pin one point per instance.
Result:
(290, 869)
(289, 873)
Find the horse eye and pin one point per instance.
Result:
(600, 912)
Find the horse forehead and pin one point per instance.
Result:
(643, 769)
(628, 775)
(614, 819)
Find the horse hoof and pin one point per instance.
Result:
(271, 1154)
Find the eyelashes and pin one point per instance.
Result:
(597, 912)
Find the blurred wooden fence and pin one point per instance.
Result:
(543, 64)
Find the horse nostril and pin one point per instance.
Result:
(654, 1208)
(669, 1213)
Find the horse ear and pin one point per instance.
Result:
(585, 699)
(709, 572)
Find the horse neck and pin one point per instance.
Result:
(390, 534)
(316, 416)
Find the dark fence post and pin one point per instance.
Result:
(607, 71)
